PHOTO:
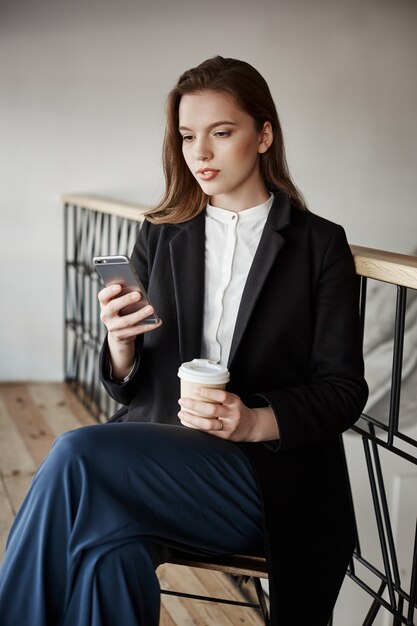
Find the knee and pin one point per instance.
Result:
(139, 557)
(74, 444)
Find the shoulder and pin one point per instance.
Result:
(151, 233)
(157, 239)
(313, 223)
(321, 233)
(312, 241)
(167, 231)
(295, 222)
(156, 230)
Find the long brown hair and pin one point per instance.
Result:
(184, 198)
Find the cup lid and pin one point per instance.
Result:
(204, 371)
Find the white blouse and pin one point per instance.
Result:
(231, 242)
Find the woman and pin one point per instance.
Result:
(240, 272)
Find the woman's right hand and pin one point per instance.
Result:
(123, 329)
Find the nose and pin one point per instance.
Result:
(203, 151)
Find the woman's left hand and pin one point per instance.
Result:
(224, 415)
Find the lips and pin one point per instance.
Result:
(207, 173)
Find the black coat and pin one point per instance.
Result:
(296, 347)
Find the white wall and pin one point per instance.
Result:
(82, 88)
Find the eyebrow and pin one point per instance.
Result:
(220, 123)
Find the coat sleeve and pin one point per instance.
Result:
(336, 392)
(123, 392)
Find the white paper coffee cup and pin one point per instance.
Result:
(201, 373)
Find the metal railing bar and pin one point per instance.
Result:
(383, 579)
(363, 284)
(374, 570)
(372, 420)
(379, 522)
(74, 232)
(383, 444)
(412, 603)
(180, 594)
(119, 226)
(374, 608)
(351, 566)
(397, 363)
(386, 516)
(406, 439)
(261, 599)
(66, 253)
(352, 504)
(398, 434)
(397, 621)
(384, 604)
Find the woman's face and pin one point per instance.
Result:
(221, 147)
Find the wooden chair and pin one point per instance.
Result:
(240, 566)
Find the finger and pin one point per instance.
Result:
(188, 424)
(117, 304)
(117, 321)
(139, 316)
(216, 395)
(108, 293)
(207, 409)
(133, 331)
(202, 423)
(218, 428)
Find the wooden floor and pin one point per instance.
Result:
(31, 416)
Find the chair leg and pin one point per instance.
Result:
(261, 599)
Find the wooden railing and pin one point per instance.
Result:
(98, 226)
(390, 267)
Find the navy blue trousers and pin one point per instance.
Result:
(104, 510)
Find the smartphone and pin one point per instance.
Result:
(118, 270)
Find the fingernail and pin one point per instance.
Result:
(135, 295)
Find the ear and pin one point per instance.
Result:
(266, 137)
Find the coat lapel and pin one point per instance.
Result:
(268, 249)
(187, 250)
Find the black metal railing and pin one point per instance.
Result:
(94, 227)
(90, 233)
(393, 593)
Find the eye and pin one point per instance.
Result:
(222, 133)
(187, 138)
